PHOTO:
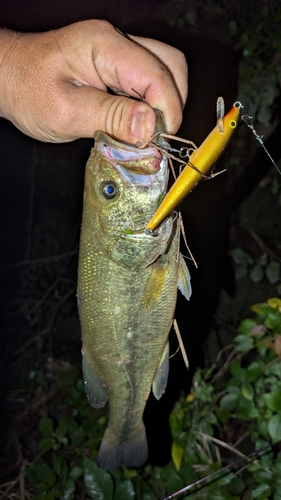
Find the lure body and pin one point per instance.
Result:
(203, 159)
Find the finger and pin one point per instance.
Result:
(173, 59)
(128, 67)
(85, 110)
(139, 73)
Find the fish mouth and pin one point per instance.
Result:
(137, 249)
(163, 231)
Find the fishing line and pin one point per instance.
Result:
(224, 470)
(249, 122)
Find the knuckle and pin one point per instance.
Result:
(116, 118)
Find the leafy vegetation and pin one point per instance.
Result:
(234, 409)
(254, 29)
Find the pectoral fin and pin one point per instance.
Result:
(155, 283)
(96, 392)
(161, 377)
(184, 284)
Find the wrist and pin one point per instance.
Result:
(10, 50)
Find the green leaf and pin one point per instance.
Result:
(245, 345)
(147, 492)
(67, 375)
(262, 427)
(125, 491)
(246, 326)
(236, 369)
(75, 473)
(277, 466)
(78, 437)
(71, 423)
(263, 476)
(177, 455)
(40, 474)
(254, 371)
(40, 496)
(262, 492)
(241, 257)
(248, 391)
(260, 309)
(47, 444)
(273, 401)
(236, 486)
(272, 272)
(173, 480)
(240, 271)
(58, 463)
(46, 426)
(61, 429)
(223, 415)
(128, 473)
(229, 401)
(274, 427)
(256, 273)
(98, 482)
(274, 370)
(274, 303)
(69, 489)
(262, 260)
(246, 409)
(53, 494)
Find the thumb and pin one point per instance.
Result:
(91, 109)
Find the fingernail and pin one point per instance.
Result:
(139, 125)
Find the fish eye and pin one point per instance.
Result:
(233, 124)
(109, 190)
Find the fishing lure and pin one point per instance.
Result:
(201, 159)
(199, 163)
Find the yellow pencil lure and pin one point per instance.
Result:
(202, 159)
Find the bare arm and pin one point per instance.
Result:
(53, 85)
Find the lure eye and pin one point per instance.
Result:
(109, 190)
(233, 124)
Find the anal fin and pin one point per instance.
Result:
(96, 392)
(161, 376)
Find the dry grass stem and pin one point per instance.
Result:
(177, 330)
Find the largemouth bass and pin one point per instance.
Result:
(127, 291)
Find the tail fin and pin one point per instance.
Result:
(133, 452)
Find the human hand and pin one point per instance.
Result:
(53, 85)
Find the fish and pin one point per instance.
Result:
(200, 162)
(127, 290)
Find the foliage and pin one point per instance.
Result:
(261, 269)
(254, 29)
(234, 408)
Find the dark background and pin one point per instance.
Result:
(41, 203)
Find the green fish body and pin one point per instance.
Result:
(127, 291)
